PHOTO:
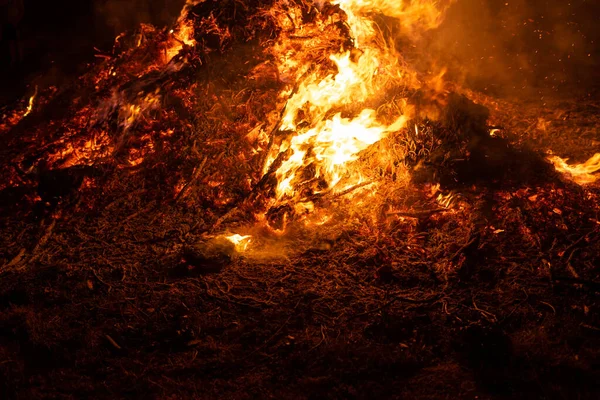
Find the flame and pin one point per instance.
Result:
(332, 143)
(182, 35)
(579, 173)
(426, 13)
(446, 200)
(325, 142)
(31, 100)
(130, 113)
(240, 242)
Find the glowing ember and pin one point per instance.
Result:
(579, 173)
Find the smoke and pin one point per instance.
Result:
(497, 46)
(511, 46)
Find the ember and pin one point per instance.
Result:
(296, 198)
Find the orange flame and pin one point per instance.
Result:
(30, 104)
(328, 144)
(183, 34)
(579, 173)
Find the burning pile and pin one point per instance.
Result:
(268, 113)
(270, 199)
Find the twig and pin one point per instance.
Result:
(182, 193)
(223, 218)
(569, 250)
(475, 238)
(320, 342)
(395, 299)
(143, 211)
(100, 279)
(42, 242)
(488, 315)
(46, 236)
(351, 189)
(112, 341)
(266, 342)
(590, 327)
(594, 285)
(16, 260)
(417, 214)
(549, 305)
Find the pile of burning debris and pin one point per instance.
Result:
(270, 133)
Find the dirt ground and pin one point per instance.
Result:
(473, 303)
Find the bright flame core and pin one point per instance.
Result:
(325, 138)
(30, 104)
(240, 242)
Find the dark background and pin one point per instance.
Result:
(499, 46)
(58, 37)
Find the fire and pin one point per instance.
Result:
(184, 35)
(333, 143)
(240, 242)
(327, 111)
(130, 112)
(340, 81)
(30, 104)
(579, 173)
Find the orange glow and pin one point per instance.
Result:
(240, 242)
(578, 173)
(183, 35)
(329, 132)
(130, 113)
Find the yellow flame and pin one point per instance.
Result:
(130, 113)
(421, 14)
(446, 200)
(30, 105)
(579, 173)
(240, 242)
(326, 145)
(332, 143)
(183, 35)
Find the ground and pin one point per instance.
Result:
(93, 304)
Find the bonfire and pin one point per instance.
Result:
(276, 186)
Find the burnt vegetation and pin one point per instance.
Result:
(477, 276)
